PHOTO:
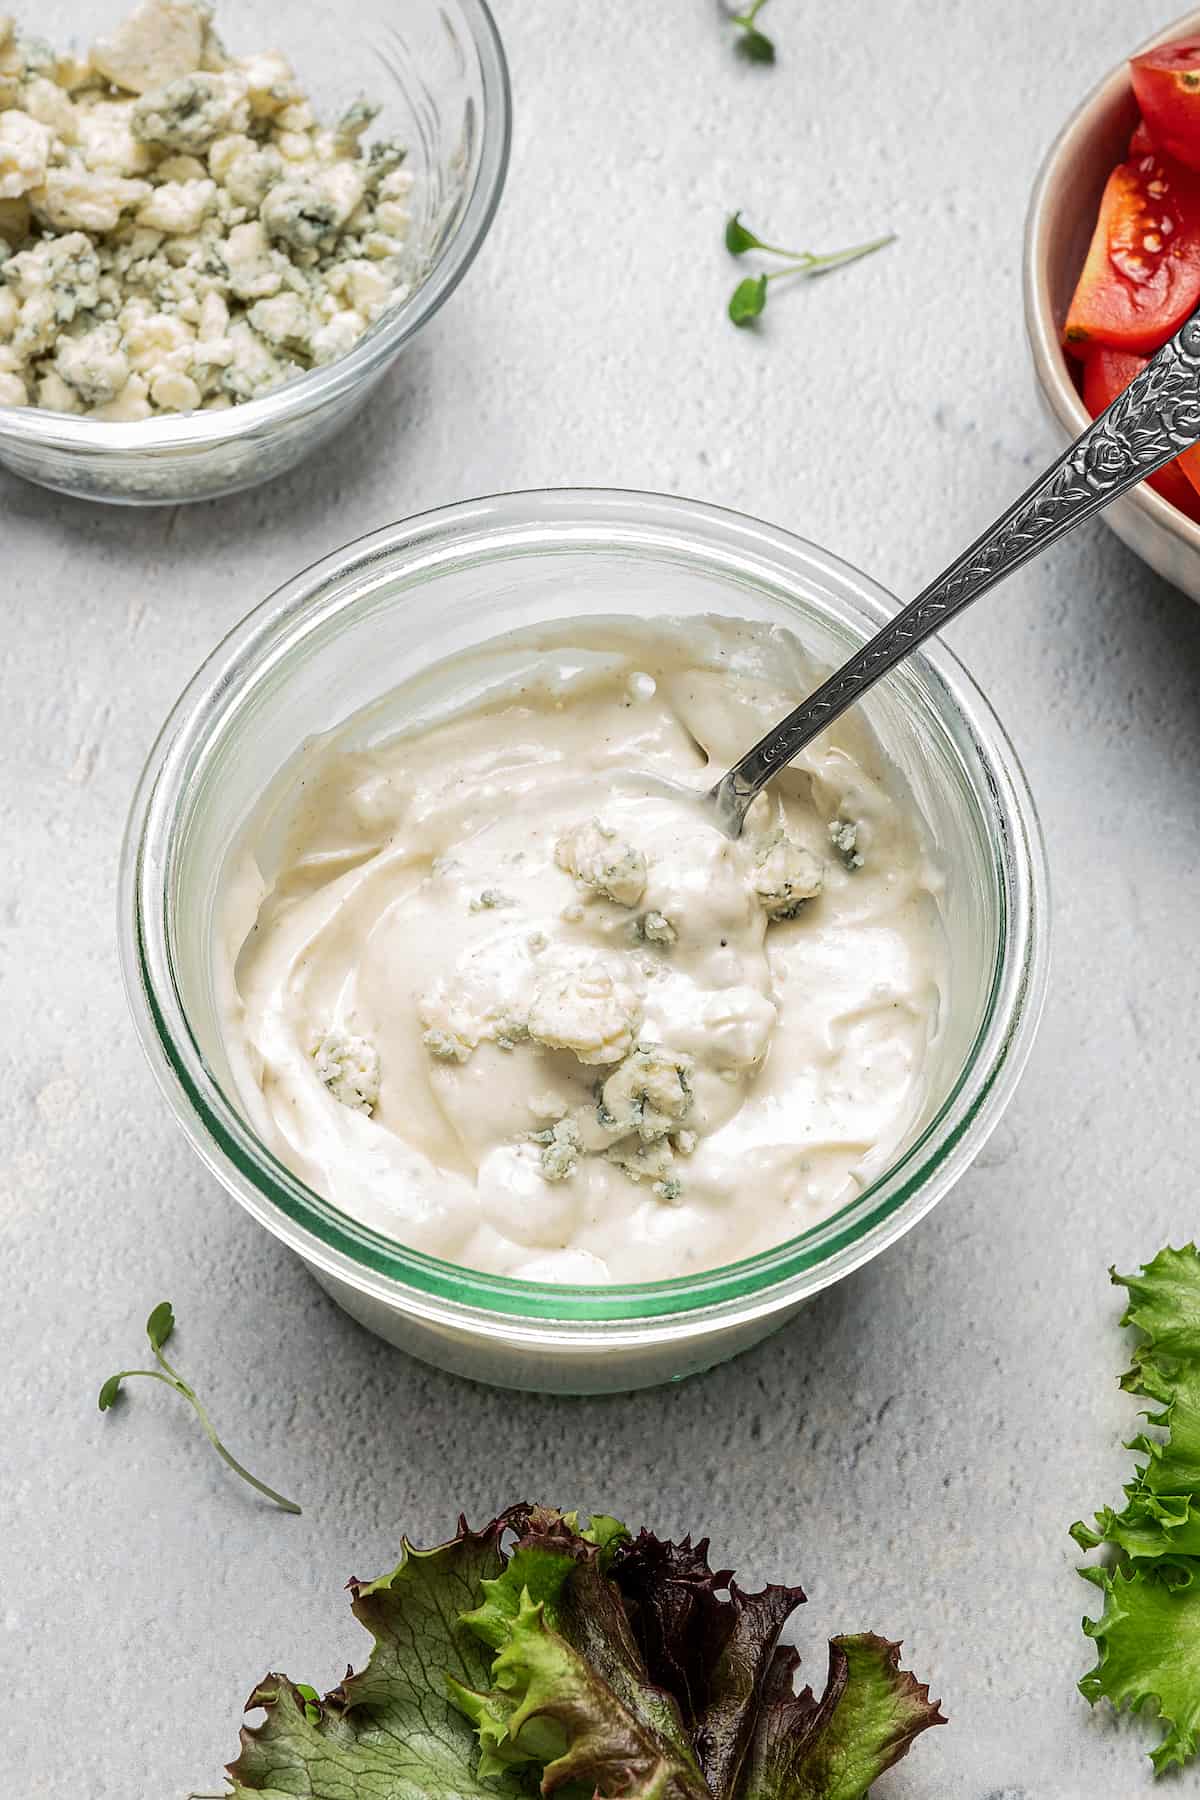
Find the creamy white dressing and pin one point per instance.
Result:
(500, 1000)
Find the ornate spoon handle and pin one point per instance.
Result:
(1156, 417)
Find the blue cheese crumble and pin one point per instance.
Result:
(656, 928)
(588, 1009)
(349, 1067)
(599, 860)
(650, 1093)
(843, 835)
(786, 875)
(561, 1145)
(178, 230)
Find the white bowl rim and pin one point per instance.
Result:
(1049, 358)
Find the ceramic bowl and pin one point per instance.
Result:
(1058, 229)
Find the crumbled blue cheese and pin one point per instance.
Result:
(644, 1162)
(786, 875)
(649, 1094)
(507, 992)
(460, 1014)
(843, 834)
(639, 1107)
(178, 208)
(349, 1067)
(656, 928)
(355, 120)
(93, 364)
(596, 857)
(191, 203)
(187, 114)
(588, 1010)
(159, 41)
(24, 153)
(560, 1149)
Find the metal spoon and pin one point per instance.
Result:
(1156, 417)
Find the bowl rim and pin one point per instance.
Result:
(504, 1308)
(1049, 358)
(40, 428)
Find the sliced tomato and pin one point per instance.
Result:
(1167, 84)
(1141, 143)
(1141, 279)
(1108, 373)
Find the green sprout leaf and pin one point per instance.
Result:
(160, 1324)
(752, 43)
(748, 299)
(159, 1327)
(756, 47)
(737, 238)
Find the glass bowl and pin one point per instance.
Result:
(438, 70)
(1058, 230)
(373, 615)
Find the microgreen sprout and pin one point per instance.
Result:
(159, 1327)
(749, 297)
(752, 43)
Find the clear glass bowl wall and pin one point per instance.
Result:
(386, 608)
(437, 69)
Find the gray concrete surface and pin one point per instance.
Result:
(913, 1448)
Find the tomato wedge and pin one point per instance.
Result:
(1108, 373)
(1167, 84)
(1141, 143)
(1141, 279)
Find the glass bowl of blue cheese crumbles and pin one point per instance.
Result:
(212, 245)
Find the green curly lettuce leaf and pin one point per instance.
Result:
(603, 1742)
(1149, 1641)
(554, 1581)
(705, 1702)
(1162, 1517)
(1150, 1528)
(834, 1748)
(389, 1732)
(1164, 1303)
(561, 1573)
(1148, 1636)
(1172, 1463)
(541, 1655)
